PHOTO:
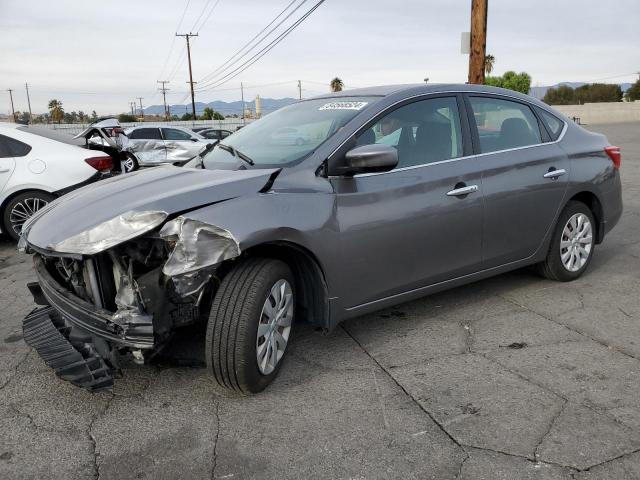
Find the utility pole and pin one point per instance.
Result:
(478, 40)
(299, 90)
(132, 106)
(191, 82)
(242, 96)
(141, 110)
(164, 91)
(12, 109)
(26, 85)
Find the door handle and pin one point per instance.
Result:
(457, 192)
(5, 170)
(555, 173)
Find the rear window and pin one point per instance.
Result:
(175, 134)
(145, 134)
(553, 123)
(10, 147)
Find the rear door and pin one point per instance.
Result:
(525, 176)
(7, 160)
(413, 226)
(147, 145)
(180, 145)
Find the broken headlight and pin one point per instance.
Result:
(119, 229)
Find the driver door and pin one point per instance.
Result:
(407, 228)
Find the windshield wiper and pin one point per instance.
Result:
(236, 153)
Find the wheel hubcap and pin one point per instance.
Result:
(21, 212)
(576, 242)
(128, 164)
(274, 327)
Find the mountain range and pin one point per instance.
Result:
(225, 108)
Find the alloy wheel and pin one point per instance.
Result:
(576, 242)
(23, 210)
(274, 326)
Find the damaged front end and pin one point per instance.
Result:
(101, 298)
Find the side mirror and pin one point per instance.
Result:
(370, 158)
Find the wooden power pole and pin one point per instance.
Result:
(478, 41)
(191, 82)
(13, 110)
(164, 91)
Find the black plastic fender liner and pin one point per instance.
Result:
(81, 366)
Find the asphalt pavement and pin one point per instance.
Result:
(514, 377)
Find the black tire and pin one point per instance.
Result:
(32, 201)
(552, 267)
(130, 164)
(232, 329)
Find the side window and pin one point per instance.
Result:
(175, 134)
(10, 147)
(423, 132)
(553, 123)
(503, 124)
(146, 134)
(224, 134)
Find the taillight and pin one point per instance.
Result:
(100, 163)
(614, 155)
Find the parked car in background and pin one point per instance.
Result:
(108, 136)
(399, 192)
(38, 165)
(152, 145)
(214, 133)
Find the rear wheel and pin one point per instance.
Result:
(572, 244)
(250, 324)
(20, 208)
(130, 163)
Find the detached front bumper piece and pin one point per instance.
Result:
(72, 359)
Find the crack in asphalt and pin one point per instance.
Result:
(536, 455)
(92, 439)
(215, 440)
(637, 450)
(466, 457)
(575, 330)
(15, 369)
(433, 419)
(523, 457)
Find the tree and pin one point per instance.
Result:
(633, 93)
(207, 114)
(126, 118)
(489, 61)
(519, 82)
(218, 116)
(186, 116)
(56, 110)
(336, 85)
(94, 116)
(598, 92)
(562, 95)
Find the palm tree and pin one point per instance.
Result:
(336, 85)
(57, 112)
(489, 60)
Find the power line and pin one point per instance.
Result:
(234, 55)
(234, 73)
(206, 18)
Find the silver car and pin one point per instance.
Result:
(154, 145)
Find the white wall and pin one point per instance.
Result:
(610, 112)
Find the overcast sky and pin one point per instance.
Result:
(101, 55)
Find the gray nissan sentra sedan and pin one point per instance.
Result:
(399, 192)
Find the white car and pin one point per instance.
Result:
(153, 145)
(38, 165)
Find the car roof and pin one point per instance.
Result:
(423, 88)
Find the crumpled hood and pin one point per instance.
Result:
(166, 188)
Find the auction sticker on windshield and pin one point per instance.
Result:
(343, 106)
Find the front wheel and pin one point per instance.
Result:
(20, 208)
(572, 244)
(250, 324)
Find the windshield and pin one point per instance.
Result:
(286, 136)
